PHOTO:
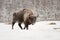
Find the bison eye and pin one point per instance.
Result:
(30, 18)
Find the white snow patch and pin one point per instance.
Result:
(40, 31)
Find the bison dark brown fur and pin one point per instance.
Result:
(24, 16)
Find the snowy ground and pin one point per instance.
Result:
(40, 31)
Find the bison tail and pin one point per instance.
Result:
(14, 14)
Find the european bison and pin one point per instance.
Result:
(24, 16)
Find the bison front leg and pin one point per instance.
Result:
(26, 26)
(20, 25)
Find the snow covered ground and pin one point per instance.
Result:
(40, 31)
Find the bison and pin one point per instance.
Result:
(24, 16)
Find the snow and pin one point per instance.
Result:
(39, 31)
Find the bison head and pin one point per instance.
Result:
(33, 19)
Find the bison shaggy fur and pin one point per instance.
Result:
(24, 16)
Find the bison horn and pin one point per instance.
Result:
(37, 15)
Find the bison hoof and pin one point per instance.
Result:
(22, 29)
(12, 28)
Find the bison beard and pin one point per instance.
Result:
(24, 16)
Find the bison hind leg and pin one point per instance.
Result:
(13, 24)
